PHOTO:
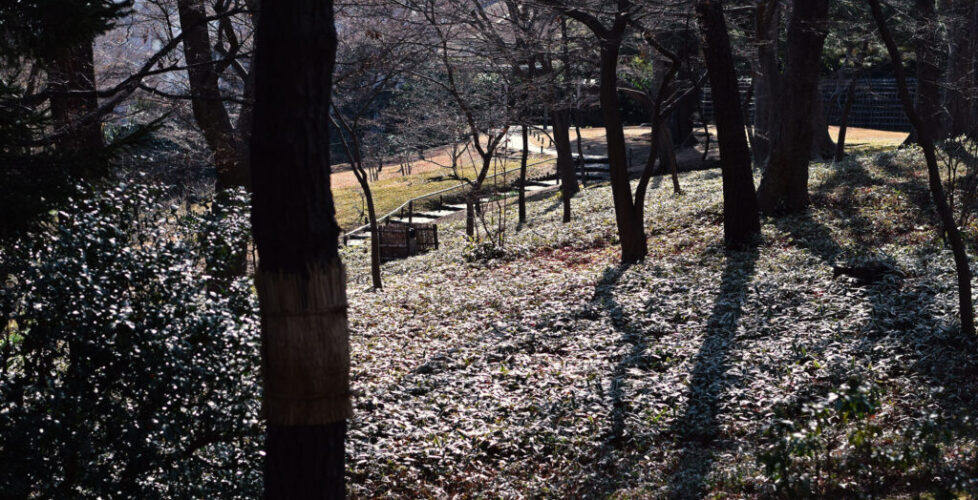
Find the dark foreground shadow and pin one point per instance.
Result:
(697, 429)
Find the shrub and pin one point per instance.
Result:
(129, 353)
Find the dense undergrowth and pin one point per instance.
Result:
(129, 352)
(553, 371)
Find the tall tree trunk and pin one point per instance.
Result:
(927, 45)
(72, 69)
(682, 132)
(524, 130)
(206, 99)
(962, 81)
(823, 148)
(565, 160)
(934, 176)
(631, 229)
(300, 278)
(374, 233)
(741, 223)
(667, 156)
(840, 144)
(767, 80)
(472, 203)
(784, 186)
(745, 109)
(580, 143)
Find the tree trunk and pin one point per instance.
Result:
(840, 144)
(767, 81)
(784, 186)
(683, 124)
(206, 99)
(667, 156)
(580, 144)
(300, 280)
(934, 176)
(526, 152)
(745, 109)
(472, 203)
(565, 160)
(823, 148)
(374, 234)
(631, 229)
(741, 224)
(927, 45)
(962, 83)
(72, 69)
(470, 200)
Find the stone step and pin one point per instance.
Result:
(592, 158)
(455, 206)
(437, 214)
(416, 220)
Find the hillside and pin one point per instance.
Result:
(552, 371)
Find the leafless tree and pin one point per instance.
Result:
(371, 61)
(927, 143)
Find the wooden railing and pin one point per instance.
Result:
(409, 205)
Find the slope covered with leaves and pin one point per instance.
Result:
(554, 372)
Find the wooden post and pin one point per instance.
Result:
(410, 212)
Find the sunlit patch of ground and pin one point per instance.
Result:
(554, 372)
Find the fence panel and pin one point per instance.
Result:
(877, 103)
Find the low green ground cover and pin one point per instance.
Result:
(552, 371)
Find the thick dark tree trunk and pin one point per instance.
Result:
(565, 160)
(207, 102)
(741, 223)
(927, 45)
(767, 81)
(840, 144)
(682, 131)
(823, 148)
(300, 279)
(524, 130)
(631, 229)
(934, 176)
(73, 70)
(784, 186)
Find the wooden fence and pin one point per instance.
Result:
(398, 241)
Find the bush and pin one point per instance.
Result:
(835, 448)
(129, 353)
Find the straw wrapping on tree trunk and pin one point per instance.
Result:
(307, 350)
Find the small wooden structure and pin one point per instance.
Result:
(398, 240)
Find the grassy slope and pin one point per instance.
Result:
(557, 373)
(392, 192)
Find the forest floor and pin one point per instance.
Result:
(552, 371)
